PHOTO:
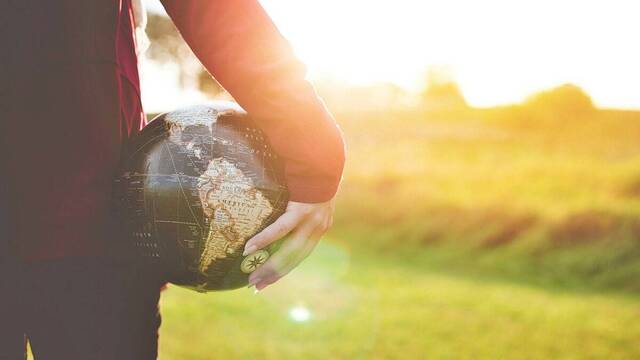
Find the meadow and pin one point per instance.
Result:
(507, 233)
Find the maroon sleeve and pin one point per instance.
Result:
(240, 46)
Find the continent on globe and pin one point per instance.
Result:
(234, 209)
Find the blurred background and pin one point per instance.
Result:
(491, 200)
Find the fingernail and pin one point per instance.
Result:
(249, 250)
(261, 286)
(253, 282)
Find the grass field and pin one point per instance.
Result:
(366, 306)
(472, 234)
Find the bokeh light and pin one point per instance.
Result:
(300, 313)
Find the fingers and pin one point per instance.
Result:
(304, 225)
(281, 227)
(287, 252)
(288, 257)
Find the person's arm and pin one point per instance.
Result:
(241, 47)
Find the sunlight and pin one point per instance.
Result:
(501, 51)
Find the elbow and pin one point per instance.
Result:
(337, 153)
(340, 155)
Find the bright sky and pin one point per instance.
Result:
(499, 50)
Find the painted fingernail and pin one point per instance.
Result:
(249, 250)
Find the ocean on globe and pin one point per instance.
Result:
(193, 187)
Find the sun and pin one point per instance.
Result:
(501, 51)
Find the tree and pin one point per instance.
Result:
(564, 99)
(167, 46)
(441, 91)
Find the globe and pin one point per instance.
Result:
(193, 187)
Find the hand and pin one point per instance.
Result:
(305, 224)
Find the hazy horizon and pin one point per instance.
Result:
(499, 52)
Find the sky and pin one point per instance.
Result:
(499, 51)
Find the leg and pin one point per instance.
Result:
(93, 309)
(12, 338)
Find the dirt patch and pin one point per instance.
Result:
(511, 228)
(631, 189)
(584, 228)
(490, 227)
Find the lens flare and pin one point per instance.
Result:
(300, 314)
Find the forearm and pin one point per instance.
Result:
(241, 47)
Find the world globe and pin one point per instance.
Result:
(193, 187)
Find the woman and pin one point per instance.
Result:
(70, 99)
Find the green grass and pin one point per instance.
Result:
(558, 194)
(372, 306)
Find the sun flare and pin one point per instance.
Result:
(499, 51)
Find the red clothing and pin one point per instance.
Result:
(69, 73)
(240, 46)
